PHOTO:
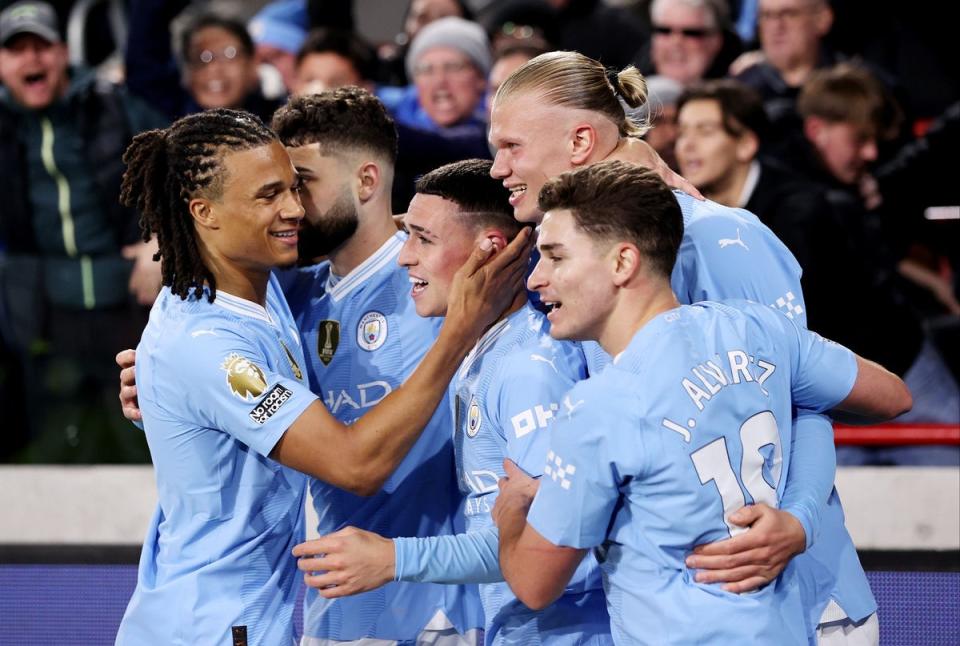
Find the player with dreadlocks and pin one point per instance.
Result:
(231, 423)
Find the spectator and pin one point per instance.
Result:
(791, 38)
(66, 278)
(608, 34)
(448, 61)
(330, 59)
(278, 31)
(845, 112)
(218, 65)
(420, 13)
(440, 119)
(692, 40)
(511, 54)
(660, 111)
(721, 125)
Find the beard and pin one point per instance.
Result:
(332, 229)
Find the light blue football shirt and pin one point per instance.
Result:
(507, 393)
(729, 253)
(362, 338)
(652, 455)
(218, 384)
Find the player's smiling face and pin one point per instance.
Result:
(439, 244)
(529, 138)
(571, 278)
(252, 226)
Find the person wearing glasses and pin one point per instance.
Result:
(791, 39)
(217, 67)
(441, 116)
(692, 40)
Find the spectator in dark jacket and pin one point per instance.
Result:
(67, 273)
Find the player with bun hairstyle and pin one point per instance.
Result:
(560, 112)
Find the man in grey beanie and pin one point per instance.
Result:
(448, 62)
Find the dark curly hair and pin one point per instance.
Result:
(347, 117)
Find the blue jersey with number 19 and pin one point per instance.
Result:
(650, 458)
(729, 253)
(219, 384)
(362, 339)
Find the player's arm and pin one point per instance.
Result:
(351, 560)
(360, 457)
(877, 393)
(536, 569)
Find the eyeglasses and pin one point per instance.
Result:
(787, 14)
(208, 56)
(450, 68)
(686, 32)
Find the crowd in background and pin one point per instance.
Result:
(834, 122)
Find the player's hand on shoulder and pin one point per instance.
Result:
(348, 561)
(126, 359)
(754, 558)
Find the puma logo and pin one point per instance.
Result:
(726, 242)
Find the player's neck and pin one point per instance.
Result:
(634, 309)
(375, 227)
(519, 300)
(248, 285)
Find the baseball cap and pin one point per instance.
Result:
(29, 17)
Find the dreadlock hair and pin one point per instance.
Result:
(169, 167)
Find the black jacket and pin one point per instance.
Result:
(852, 291)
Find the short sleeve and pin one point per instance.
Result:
(823, 374)
(728, 253)
(226, 382)
(579, 489)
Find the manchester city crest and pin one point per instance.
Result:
(473, 419)
(293, 362)
(372, 331)
(328, 338)
(245, 378)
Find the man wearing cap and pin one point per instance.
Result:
(279, 31)
(66, 279)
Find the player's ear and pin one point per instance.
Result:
(583, 139)
(368, 180)
(625, 263)
(496, 237)
(747, 147)
(203, 213)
